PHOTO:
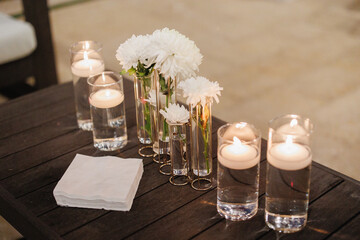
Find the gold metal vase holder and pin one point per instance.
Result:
(143, 149)
(201, 183)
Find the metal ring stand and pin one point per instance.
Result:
(143, 154)
(199, 180)
(172, 178)
(163, 166)
(155, 158)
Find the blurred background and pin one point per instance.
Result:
(271, 57)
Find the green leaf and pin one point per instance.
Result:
(131, 71)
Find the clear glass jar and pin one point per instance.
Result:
(201, 145)
(178, 153)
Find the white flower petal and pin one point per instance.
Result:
(199, 89)
(175, 114)
(175, 55)
(134, 50)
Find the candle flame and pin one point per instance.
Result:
(293, 123)
(289, 140)
(86, 56)
(237, 141)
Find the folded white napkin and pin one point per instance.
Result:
(99, 182)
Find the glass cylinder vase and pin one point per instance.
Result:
(238, 154)
(86, 60)
(288, 172)
(201, 145)
(143, 87)
(165, 89)
(178, 153)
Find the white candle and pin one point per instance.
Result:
(106, 98)
(238, 156)
(87, 66)
(289, 156)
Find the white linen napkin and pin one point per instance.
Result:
(99, 182)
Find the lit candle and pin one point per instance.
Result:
(289, 156)
(106, 98)
(87, 66)
(238, 155)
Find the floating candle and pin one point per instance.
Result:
(238, 155)
(289, 156)
(106, 98)
(87, 66)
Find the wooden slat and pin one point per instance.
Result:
(41, 153)
(37, 135)
(348, 231)
(185, 222)
(44, 97)
(36, 118)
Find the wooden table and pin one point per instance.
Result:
(39, 138)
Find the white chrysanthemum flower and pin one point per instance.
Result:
(175, 114)
(133, 50)
(199, 89)
(175, 55)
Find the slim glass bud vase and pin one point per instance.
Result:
(201, 145)
(165, 94)
(178, 154)
(142, 88)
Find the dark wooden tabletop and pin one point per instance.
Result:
(39, 138)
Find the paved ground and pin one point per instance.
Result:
(271, 56)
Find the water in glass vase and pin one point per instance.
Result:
(287, 197)
(82, 106)
(109, 122)
(142, 87)
(238, 187)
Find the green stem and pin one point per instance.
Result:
(205, 135)
(145, 82)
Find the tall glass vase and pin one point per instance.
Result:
(201, 145)
(142, 87)
(179, 154)
(165, 94)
